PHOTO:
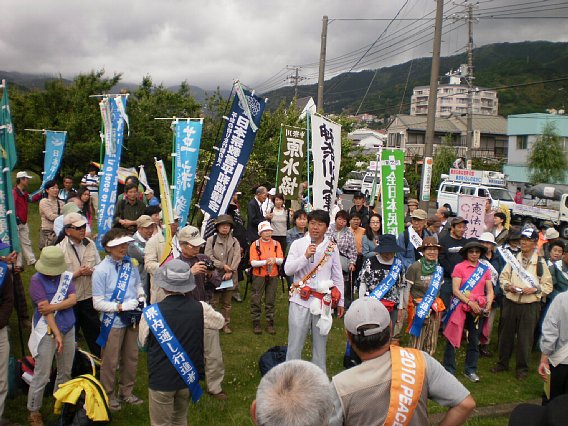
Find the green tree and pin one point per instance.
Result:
(547, 159)
(443, 159)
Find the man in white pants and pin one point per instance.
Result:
(314, 262)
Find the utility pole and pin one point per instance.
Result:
(432, 101)
(295, 79)
(468, 75)
(322, 64)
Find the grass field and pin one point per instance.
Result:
(241, 351)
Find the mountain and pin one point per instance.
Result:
(500, 65)
(28, 81)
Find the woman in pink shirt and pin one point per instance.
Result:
(474, 298)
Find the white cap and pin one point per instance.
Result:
(272, 191)
(366, 311)
(23, 174)
(487, 237)
(264, 226)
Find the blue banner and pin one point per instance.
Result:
(54, 147)
(8, 225)
(188, 139)
(234, 152)
(116, 107)
(174, 350)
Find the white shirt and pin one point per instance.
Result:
(297, 265)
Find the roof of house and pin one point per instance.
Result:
(489, 124)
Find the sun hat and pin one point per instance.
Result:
(471, 245)
(118, 241)
(70, 207)
(144, 221)
(551, 234)
(429, 242)
(51, 261)
(387, 244)
(514, 234)
(272, 191)
(412, 202)
(419, 214)
(149, 191)
(74, 219)
(23, 174)
(224, 219)
(264, 226)
(529, 233)
(487, 237)
(175, 276)
(366, 311)
(190, 234)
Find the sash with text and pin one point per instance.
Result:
(390, 280)
(117, 297)
(469, 285)
(423, 308)
(526, 276)
(173, 350)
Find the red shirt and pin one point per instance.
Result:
(21, 204)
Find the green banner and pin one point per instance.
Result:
(292, 157)
(392, 188)
(8, 158)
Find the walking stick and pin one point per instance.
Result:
(249, 281)
(351, 286)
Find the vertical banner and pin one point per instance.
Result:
(167, 211)
(54, 148)
(234, 152)
(8, 159)
(291, 161)
(472, 209)
(426, 179)
(392, 188)
(188, 139)
(326, 151)
(113, 112)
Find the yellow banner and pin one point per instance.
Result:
(167, 211)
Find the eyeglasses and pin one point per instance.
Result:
(77, 228)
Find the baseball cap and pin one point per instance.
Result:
(419, 214)
(74, 219)
(144, 221)
(190, 234)
(366, 311)
(529, 233)
(264, 226)
(459, 220)
(23, 174)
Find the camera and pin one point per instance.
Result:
(209, 264)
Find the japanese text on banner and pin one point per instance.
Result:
(291, 161)
(188, 139)
(326, 149)
(392, 189)
(472, 209)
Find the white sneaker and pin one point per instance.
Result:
(472, 377)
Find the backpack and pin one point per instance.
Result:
(73, 412)
(271, 358)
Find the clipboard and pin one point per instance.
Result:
(225, 284)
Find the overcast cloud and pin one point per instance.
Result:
(211, 42)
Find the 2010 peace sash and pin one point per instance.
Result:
(118, 297)
(423, 308)
(469, 285)
(516, 267)
(408, 370)
(387, 282)
(40, 329)
(173, 350)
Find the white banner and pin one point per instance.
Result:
(326, 151)
(472, 209)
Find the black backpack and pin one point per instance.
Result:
(271, 358)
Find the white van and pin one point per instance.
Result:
(449, 192)
(367, 185)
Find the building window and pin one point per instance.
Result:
(522, 142)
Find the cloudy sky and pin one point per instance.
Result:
(211, 42)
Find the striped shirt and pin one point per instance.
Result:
(92, 182)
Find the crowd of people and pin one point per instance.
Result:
(428, 285)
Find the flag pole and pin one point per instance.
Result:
(308, 147)
(278, 161)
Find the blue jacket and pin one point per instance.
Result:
(409, 255)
